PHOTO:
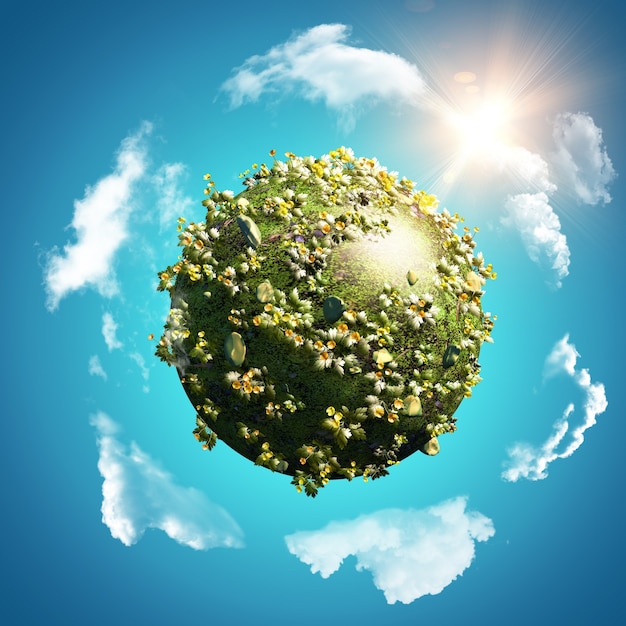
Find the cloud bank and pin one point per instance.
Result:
(527, 461)
(137, 494)
(410, 553)
(319, 64)
(581, 157)
(101, 224)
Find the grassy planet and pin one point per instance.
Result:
(325, 322)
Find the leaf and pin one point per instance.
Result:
(330, 424)
(310, 489)
(358, 433)
(211, 441)
(341, 437)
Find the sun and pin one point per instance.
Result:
(481, 128)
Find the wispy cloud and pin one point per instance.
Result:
(410, 553)
(172, 201)
(527, 461)
(319, 64)
(581, 157)
(540, 229)
(528, 169)
(109, 331)
(138, 494)
(530, 213)
(141, 363)
(101, 224)
(95, 367)
(583, 166)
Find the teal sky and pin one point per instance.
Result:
(511, 112)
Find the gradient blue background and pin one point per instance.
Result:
(76, 79)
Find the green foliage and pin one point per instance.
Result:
(327, 320)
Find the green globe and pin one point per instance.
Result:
(326, 322)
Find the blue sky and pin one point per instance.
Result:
(510, 112)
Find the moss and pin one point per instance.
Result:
(326, 322)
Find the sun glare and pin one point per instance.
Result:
(480, 129)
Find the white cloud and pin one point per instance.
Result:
(141, 362)
(95, 367)
(531, 462)
(529, 168)
(100, 221)
(581, 157)
(561, 359)
(540, 229)
(172, 202)
(109, 330)
(531, 214)
(409, 553)
(138, 494)
(320, 65)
